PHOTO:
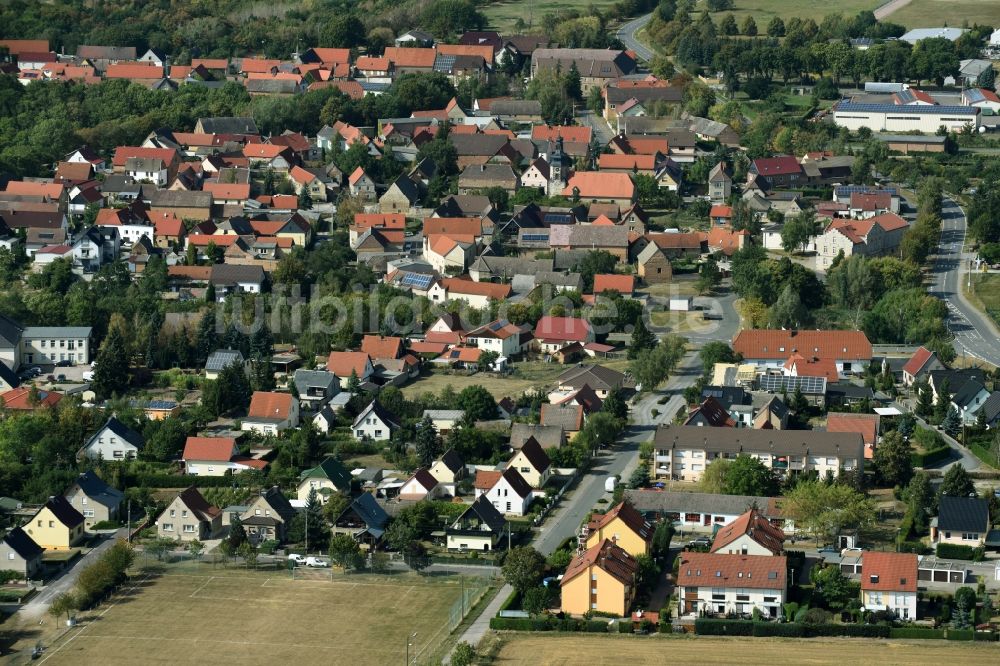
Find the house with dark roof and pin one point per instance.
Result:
(189, 517)
(718, 584)
(750, 534)
(18, 552)
(56, 525)
(364, 519)
(963, 521)
(374, 423)
(532, 463)
(422, 485)
(315, 387)
(624, 526)
(568, 417)
(95, 499)
(710, 413)
(548, 436)
(113, 441)
(268, 516)
(326, 478)
(478, 528)
(597, 67)
(601, 379)
(507, 491)
(600, 579)
(236, 279)
(449, 469)
(221, 359)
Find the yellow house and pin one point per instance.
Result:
(624, 526)
(56, 526)
(600, 579)
(532, 463)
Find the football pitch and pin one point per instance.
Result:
(264, 618)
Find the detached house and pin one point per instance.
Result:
(19, 552)
(374, 423)
(364, 519)
(448, 470)
(920, 365)
(507, 491)
(113, 441)
(532, 463)
(850, 350)
(554, 333)
(750, 534)
(601, 579)
(268, 516)
(95, 499)
(889, 582)
(624, 526)
(189, 517)
(348, 363)
(422, 485)
(961, 521)
(478, 528)
(719, 584)
(56, 525)
(214, 456)
(361, 185)
(327, 478)
(270, 413)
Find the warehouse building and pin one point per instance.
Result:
(894, 118)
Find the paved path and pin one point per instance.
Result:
(975, 334)
(888, 8)
(627, 35)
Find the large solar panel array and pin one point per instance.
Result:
(863, 189)
(558, 218)
(907, 110)
(778, 383)
(418, 280)
(535, 237)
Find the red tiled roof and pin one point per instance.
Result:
(761, 572)
(813, 367)
(134, 71)
(35, 189)
(713, 412)
(453, 226)
(190, 272)
(356, 176)
(600, 185)
(486, 479)
(718, 210)
(606, 556)
(888, 572)
(726, 240)
(218, 449)
(918, 361)
(870, 201)
(777, 166)
(864, 424)
(570, 134)
(270, 405)
(562, 328)
(755, 526)
(647, 145)
(206, 239)
(263, 150)
(889, 221)
(629, 515)
(486, 52)
(665, 241)
(227, 191)
(18, 398)
(411, 57)
(780, 344)
(377, 346)
(332, 55)
(639, 162)
(427, 347)
(623, 284)
(462, 355)
(370, 64)
(258, 65)
(210, 63)
(364, 221)
(342, 363)
(488, 289)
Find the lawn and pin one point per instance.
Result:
(553, 649)
(985, 294)
(502, 15)
(263, 618)
(936, 13)
(764, 10)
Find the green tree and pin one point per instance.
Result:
(952, 422)
(237, 534)
(920, 501)
(925, 401)
(749, 27)
(660, 543)
(66, 603)
(824, 510)
(536, 600)
(523, 568)
(728, 26)
(893, 466)
(776, 27)
(111, 368)
(798, 230)
(641, 339)
(957, 483)
(834, 588)
(965, 608)
(308, 526)
(345, 552)
(639, 477)
(305, 200)
(478, 403)
(196, 548)
(749, 476)
(709, 276)
(428, 444)
(464, 655)
(713, 480)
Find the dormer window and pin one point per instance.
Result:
(873, 578)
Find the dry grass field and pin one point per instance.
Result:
(550, 650)
(936, 13)
(263, 618)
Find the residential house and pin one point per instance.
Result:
(113, 441)
(422, 485)
(374, 423)
(444, 420)
(595, 186)
(966, 388)
(683, 452)
(865, 425)
(877, 235)
(601, 579)
(402, 195)
(270, 413)
(476, 294)
(221, 359)
(851, 350)
(963, 521)
(600, 379)
(720, 183)
(889, 583)
(555, 333)
(189, 517)
(448, 470)
(653, 265)
(94, 499)
(507, 491)
(267, 516)
(348, 364)
(750, 534)
(548, 436)
(597, 67)
(477, 529)
(705, 511)
(569, 418)
(214, 456)
(361, 185)
(476, 177)
(710, 413)
(326, 478)
(532, 463)
(782, 171)
(718, 583)
(56, 525)
(920, 365)
(624, 526)
(364, 519)
(499, 336)
(20, 553)
(315, 387)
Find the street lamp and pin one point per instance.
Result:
(409, 643)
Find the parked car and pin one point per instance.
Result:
(827, 549)
(851, 552)
(699, 542)
(316, 562)
(296, 558)
(64, 364)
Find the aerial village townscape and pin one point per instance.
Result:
(499, 332)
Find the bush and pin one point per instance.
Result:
(9, 575)
(709, 627)
(960, 634)
(548, 624)
(915, 632)
(513, 602)
(106, 525)
(988, 636)
(790, 630)
(955, 552)
(625, 627)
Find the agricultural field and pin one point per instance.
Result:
(936, 13)
(501, 16)
(247, 617)
(764, 10)
(985, 294)
(550, 650)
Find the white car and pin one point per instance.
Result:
(296, 558)
(851, 552)
(316, 562)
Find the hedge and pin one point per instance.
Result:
(710, 627)
(915, 632)
(548, 624)
(987, 636)
(512, 601)
(954, 551)
(960, 634)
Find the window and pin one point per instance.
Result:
(211, 469)
(83, 501)
(118, 454)
(88, 513)
(525, 470)
(168, 527)
(52, 523)
(378, 433)
(184, 514)
(173, 513)
(508, 506)
(256, 512)
(10, 556)
(189, 528)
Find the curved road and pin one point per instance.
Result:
(975, 334)
(627, 36)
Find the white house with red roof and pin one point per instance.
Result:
(476, 294)
(718, 583)
(554, 333)
(500, 336)
(271, 412)
(345, 363)
(982, 98)
(507, 491)
(889, 582)
(850, 350)
(881, 234)
(922, 363)
(214, 456)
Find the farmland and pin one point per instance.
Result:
(936, 13)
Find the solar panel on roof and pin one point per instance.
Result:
(417, 280)
(558, 218)
(863, 189)
(778, 383)
(535, 237)
(895, 108)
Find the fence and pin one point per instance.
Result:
(472, 593)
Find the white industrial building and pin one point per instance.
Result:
(894, 118)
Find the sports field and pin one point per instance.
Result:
(937, 13)
(263, 618)
(539, 650)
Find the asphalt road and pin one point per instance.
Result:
(974, 333)
(602, 130)
(627, 36)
